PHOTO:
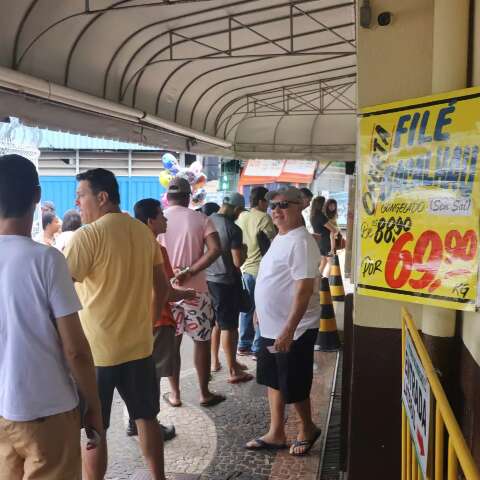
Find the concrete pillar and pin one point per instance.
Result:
(476, 45)
(450, 45)
(385, 55)
(449, 72)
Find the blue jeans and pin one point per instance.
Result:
(249, 336)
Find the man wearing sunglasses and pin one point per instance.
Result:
(288, 312)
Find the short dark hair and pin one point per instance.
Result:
(146, 209)
(307, 192)
(48, 206)
(71, 221)
(102, 180)
(179, 198)
(47, 219)
(19, 184)
(256, 195)
(210, 208)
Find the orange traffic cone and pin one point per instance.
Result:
(335, 280)
(327, 338)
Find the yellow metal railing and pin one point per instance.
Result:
(459, 456)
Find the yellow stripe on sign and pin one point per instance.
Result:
(328, 325)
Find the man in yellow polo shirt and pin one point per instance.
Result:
(117, 262)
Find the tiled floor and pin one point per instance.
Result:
(210, 442)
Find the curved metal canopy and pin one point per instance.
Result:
(271, 77)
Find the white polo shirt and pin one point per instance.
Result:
(35, 289)
(291, 257)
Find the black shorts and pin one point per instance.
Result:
(290, 372)
(225, 304)
(136, 383)
(324, 245)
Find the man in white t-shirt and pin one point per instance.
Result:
(288, 312)
(42, 345)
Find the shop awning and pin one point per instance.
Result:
(268, 79)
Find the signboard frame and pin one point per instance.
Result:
(421, 153)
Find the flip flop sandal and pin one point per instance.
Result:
(263, 445)
(166, 397)
(304, 443)
(214, 400)
(242, 379)
(215, 370)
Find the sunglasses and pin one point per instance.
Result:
(282, 205)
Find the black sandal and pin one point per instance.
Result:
(214, 400)
(263, 445)
(304, 443)
(166, 397)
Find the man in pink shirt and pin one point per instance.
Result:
(193, 244)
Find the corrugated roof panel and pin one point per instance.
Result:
(70, 141)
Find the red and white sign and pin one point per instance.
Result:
(259, 172)
(264, 168)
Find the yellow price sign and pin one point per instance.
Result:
(419, 191)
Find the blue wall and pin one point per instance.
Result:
(61, 191)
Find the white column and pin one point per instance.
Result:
(450, 45)
(449, 72)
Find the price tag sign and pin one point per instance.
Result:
(419, 200)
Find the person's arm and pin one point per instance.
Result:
(237, 248)
(161, 290)
(79, 253)
(239, 256)
(332, 228)
(334, 231)
(79, 359)
(303, 293)
(268, 227)
(212, 242)
(177, 294)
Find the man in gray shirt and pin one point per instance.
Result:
(224, 284)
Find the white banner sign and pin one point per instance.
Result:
(301, 167)
(264, 168)
(416, 399)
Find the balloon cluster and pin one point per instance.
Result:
(196, 178)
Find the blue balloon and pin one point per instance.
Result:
(169, 160)
(174, 169)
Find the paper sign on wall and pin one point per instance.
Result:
(419, 200)
(416, 399)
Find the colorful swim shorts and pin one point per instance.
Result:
(195, 317)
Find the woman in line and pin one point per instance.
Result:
(51, 228)
(71, 223)
(323, 218)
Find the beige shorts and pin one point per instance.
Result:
(164, 351)
(43, 449)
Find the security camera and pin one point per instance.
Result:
(384, 19)
(365, 14)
